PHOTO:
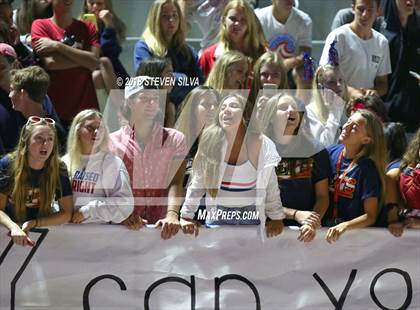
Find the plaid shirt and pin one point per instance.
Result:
(148, 167)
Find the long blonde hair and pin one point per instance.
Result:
(217, 77)
(186, 122)
(119, 25)
(267, 58)
(254, 40)
(209, 155)
(74, 149)
(376, 149)
(20, 172)
(153, 35)
(321, 109)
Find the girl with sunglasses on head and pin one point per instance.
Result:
(31, 178)
(100, 181)
(358, 180)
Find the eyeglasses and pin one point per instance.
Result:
(37, 119)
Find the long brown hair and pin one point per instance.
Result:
(376, 148)
(187, 119)
(209, 155)
(20, 173)
(28, 11)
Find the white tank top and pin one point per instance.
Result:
(238, 187)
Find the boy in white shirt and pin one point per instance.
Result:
(287, 29)
(363, 53)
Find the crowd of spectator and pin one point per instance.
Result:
(249, 125)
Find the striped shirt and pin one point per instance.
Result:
(238, 188)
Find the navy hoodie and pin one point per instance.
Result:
(403, 98)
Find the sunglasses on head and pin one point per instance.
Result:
(37, 119)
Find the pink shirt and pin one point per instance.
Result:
(148, 167)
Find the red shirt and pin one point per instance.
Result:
(410, 186)
(71, 90)
(207, 59)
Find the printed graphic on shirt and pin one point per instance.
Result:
(292, 168)
(84, 182)
(73, 41)
(347, 187)
(284, 45)
(32, 198)
(376, 59)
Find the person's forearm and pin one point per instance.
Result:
(321, 206)
(362, 221)
(290, 213)
(6, 221)
(61, 217)
(381, 85)
(58, 62)
(175, 199)
(354, 92)
(83, 58)
(290, 63)
(381, 88)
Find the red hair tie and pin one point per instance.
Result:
(359, 106)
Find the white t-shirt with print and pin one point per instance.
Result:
(286, 38)
(360, 61)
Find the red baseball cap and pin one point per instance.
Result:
(7, 50)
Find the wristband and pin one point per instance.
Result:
(294, 215)
(176, 212)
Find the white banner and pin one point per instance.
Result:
(225, 268)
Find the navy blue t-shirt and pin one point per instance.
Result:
(297, 178)
(361, 182)
(32, 198)
(11, 123)
(180, 63)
